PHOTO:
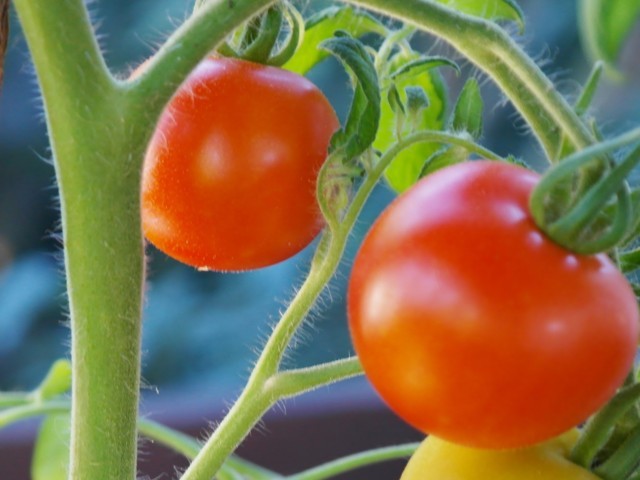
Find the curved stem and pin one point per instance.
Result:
(15, 414)
(200, 34)
(490, 48)
(358, 460)
(262, 391)
(189, 447)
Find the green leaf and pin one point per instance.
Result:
(444, 158)
(467, 114)
(364, 116)
(489, 9)
(322, 26)
(393, 97)
(604, 27)
(56, 382)
(51, 455)
(405, 169)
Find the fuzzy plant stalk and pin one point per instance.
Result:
(98, 127)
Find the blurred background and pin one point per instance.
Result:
(202, 330)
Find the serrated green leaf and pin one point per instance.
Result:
(364, 115)
(443, 158)
(322, 26)
(51, 455)
(405, 169)
(604, 27)
(467, 114)
(489, 9)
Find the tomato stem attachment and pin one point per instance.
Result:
(586, 228)
(259, 39)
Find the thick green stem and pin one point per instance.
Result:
(492, 50)
(95, 152)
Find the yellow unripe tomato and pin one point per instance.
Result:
(437, 459)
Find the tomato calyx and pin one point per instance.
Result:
(610, 440)
(580, 213)
(258, 40)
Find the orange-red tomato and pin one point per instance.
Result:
(474, 326)
(229, 176)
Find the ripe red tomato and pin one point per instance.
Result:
(475, 327)
(229, 176)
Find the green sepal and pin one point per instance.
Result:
(51, 454)
(322, 26)
(467, 114)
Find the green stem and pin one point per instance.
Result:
(261, 392)
(189, 447)
(177, 441)
(358, 460)
(15, 414)
(13, 399)
(291, 383)
(492, 50)
(210, 24)
(93, 150)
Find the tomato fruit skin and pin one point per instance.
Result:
(439, 460)
(475, 327)
(229, 176)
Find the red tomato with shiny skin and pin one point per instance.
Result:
(474, 326)
(229, 176)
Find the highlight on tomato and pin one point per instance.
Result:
(437, 459)
(475, 327)
(229, 176)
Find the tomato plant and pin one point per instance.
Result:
(229, 176)
(473, 325)
(439, 459)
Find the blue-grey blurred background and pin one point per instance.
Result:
(202, 330)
